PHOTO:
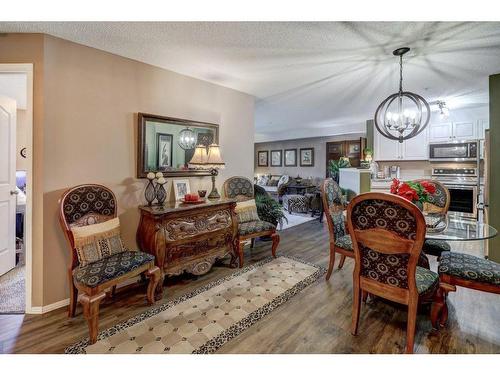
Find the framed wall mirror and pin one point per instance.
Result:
(166, 144)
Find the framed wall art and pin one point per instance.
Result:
(291, 157)
(276, 158)
(307, 157)
(263, 158)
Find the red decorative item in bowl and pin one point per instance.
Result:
(415, 192)
(192, 199)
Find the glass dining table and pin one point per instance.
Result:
(455, 229)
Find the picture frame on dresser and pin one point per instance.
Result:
(181, 188)
(291, 157)
(276, 158)
(263, 158)
(307, 157)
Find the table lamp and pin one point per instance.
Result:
(210, 160)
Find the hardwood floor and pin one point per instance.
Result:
(315, 321)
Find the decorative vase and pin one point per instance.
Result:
(160, 191)
(149, 192)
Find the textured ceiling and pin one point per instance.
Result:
(309, 78)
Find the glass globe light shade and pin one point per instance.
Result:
(187, 139)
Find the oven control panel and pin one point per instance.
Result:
(455, 172)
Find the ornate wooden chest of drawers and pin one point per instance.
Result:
(188, 237)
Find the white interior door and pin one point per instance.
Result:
(7, 184)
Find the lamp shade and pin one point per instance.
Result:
(214, 158)
(199, 158)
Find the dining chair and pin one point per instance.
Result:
(439, 203)
(82, 206)
(241, 189)
(388, 233)
(334, 204)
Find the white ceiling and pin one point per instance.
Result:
(309, 78)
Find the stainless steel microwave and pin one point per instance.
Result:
(454, 151)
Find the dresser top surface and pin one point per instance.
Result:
(179, 206)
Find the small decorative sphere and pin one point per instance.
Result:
(151, 176)
(161, 180)
(159, 174)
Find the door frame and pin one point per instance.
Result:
(28, 215)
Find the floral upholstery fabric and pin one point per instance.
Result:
(435, 247)
(344, 242)
(244, 229)
(469, 267)
(334, 193)
(426, 279)
(339, 229)
(296, 203)
(238, 187)
(110, 268)
(388, 269)
(88, 200)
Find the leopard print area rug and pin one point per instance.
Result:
(202, 321)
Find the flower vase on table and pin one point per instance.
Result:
(150, 191)
(415, 192)
(161, 193)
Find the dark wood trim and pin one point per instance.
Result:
(141, 119)
(284, 157)
(312, 156)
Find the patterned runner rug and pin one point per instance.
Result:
(205, 319)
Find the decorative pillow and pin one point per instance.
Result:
(262, 180)
(247, 211)
(272, 183)
(283, 180)
(97, 241)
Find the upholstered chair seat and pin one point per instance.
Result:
(110, 268)
(427, 280)
(345, 242)
(257, 226)
(435, 247)
(469, 267)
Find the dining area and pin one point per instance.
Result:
(406, 248)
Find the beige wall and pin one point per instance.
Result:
(319, 144)
(91, 99)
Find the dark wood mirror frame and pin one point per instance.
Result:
(141, 122)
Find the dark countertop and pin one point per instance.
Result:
(179, 206)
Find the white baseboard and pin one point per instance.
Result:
(65, 302)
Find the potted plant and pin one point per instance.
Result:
(335, 165)
(416, 192)
(269, 210)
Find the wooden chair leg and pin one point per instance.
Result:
(276, 240)
(364, 295)
(437, 307)
(73, 296)
(331, 263)
(410, 326)
(342, 260)
(91, 313)
(155, 276)
(241, 246)
(356, 306)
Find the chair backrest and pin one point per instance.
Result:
(85, 205)
(334, 204)
(239, 188)
(439, 202)
(388, 233)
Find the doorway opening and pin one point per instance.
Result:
(16, 102)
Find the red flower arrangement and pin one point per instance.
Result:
(415, 192)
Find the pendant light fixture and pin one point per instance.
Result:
(187, 139)
(402, 115)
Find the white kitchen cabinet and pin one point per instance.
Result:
(441, 132)
(385, 148)
(482, 126)
(416, 148)
(452, 131)
(464, 130)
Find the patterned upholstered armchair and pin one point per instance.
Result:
(241, 189)
(439, 202)
(82, 206)
(388, 233)
(334, 204)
